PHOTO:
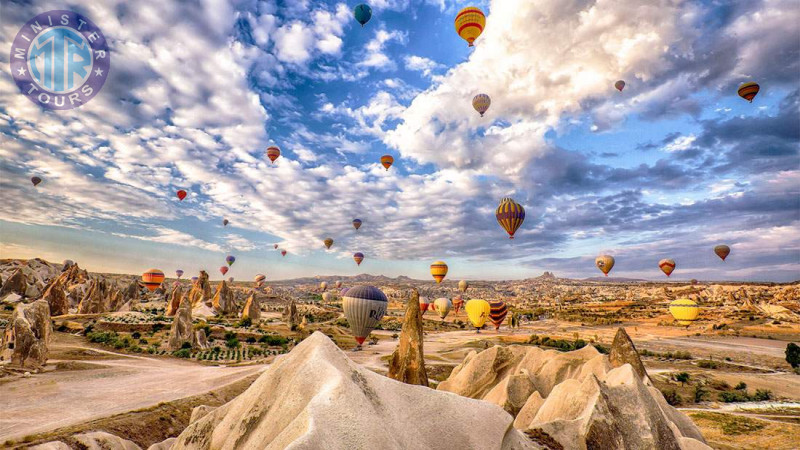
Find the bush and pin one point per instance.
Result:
(601, 348)
(681, 377)
(742, 386)
(793, 355)
(183, 353)
(700, 393)
(136, 335)
(250, 340)
(672, 397)
(186, 345)
(230, 335)
(101, 337)
(273, 340)
(232, 343)
(158, 327)
(708, 364)
(244, 323)
(762, 395)
(733, 396)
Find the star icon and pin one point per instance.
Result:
(21, 71)
(98, 72)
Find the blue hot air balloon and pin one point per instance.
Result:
(230, 260)
(363, 13)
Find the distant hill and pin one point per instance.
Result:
(616, 280)
(360, 278)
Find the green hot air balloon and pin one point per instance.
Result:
(362, 13)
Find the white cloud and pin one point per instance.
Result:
(375, 56)
(422, 64)
(680, 143)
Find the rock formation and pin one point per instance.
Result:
(56, 296)
(27, 335)
(15, 284)
(579, 399)
(95, 440)
(201, 340)
(182, 330)
(94, 301)
(198, 412)
(252, 308)
(201, 290)
(408, 363)
(290, 314)
(174, 300)
(316, 397)
(223, 302)
(624, 352)
(132, 290)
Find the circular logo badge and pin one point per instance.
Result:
(60, 59)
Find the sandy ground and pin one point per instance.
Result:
(61, 398)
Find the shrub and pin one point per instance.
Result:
(672, 397)
(273, 340)
(158, 327)
(793, 354)
(762, 395)
(101, 337)
(246, 322)
(742, 386)
(136, 335)
(250, 340)
(601, 348)
(183, 353)
(230, 335)
(733, 396)
(708, 364)
(681, 377)
(700, 393)
(232, 343)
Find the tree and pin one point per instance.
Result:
(793, 354)
(682, 378)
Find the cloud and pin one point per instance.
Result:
(375, 56)
(421, 64)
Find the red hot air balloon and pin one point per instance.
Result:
(722, 251)
(181, 194)
(273, 153)
(358, 257)
(283, 252)
(620, 85)
(223, 270)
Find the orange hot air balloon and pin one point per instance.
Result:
(722, 251)
(469, 24)
(748, 91)
(386, 161)
(358, 257)
(605, 263)
(273, 153)
(181, 194)
(152, 279)
(328, 242)
(439, 270)
(667, 266)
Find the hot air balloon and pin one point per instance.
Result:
(328, 242)
(478, 312)
(356, 224)
(194, 279)
(667, 265)
(67, 264)
(181, 194)
(358, 257)
(722, 251)
(273, 153)
(481, 103)
(230, 279)
(36, 181)
(364, 307)
(458, 302)
(469, 23)
(605, 263)
(443, 306)
(179, 273)
(283, 252)
(223, 270)
(438, 270)
(260, 278)
(323, 285)
(497, 313)
(230, 259)
(326, 296)
(510, 216)
(225, 222)
(620, 85)
(275, 246)
(338, 284)
(387, 161)
(424, 304)
(152, 279)
(463, 285)
(343, 292)
(362, 13)
(684, 311)
(749, 90)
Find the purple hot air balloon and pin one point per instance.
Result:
(230, 259)
(194, 279)
(230, 279)
(179, 273)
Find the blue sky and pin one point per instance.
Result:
(670, 167)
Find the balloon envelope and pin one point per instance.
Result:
(438, 270)
(358, 257)
(326, 296)
(181, 194)
(458, 302)
(497, 313)
(481, 103)
(386, 161)
(362, 13)
(667, 265)
(223, 270)
(179, 273)
(260, 278)
(323, 285)
(273, 153)
(225, 222)
(469, 24)
(722, 251)
(605, 263)
(230, 259)
(36, 180)
(338, 284)
(478, 312)
(230, 279)
(152, 279)
(510, 216)
(328, 242)
(356, 223)
(749, 90)
(684, 311)
(364, 307)
(443, 306)
(620, 85)
(463, 285)
(283, 252)
(424, 304)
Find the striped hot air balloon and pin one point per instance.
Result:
(469, 24)
(442, 306)
(386, 161)
(438, 270)
(364, 307)
(620, 85)
(328, 242)
(358, 257)
(749, 90)
(510, 216)
(424, 304)
(273, 153)
(152, 279)
(684, 311)
(458, 302)
(722, 251)
(478, 312)
(259, 280)
(667, 265)
(497, 313)
(481, 103)
(356, 224)
(605, 263)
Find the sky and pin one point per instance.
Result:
(671, 166)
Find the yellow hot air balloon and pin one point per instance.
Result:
(328, 242)
(442, 306)
(469, 24)
(323, 285)
(481, 103)
(463, 285)
(605, 263)
(478, 312)
(439, 270)
(684, 311)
